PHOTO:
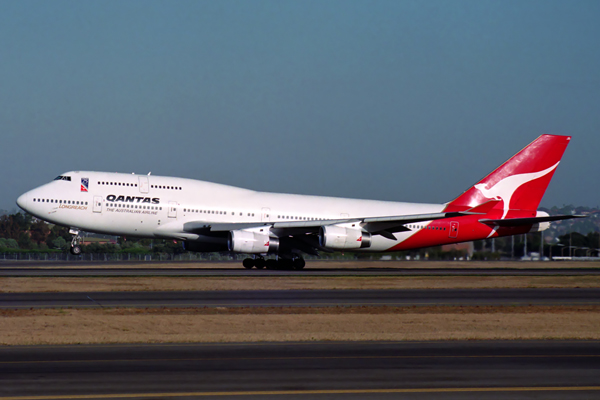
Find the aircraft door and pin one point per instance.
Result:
(265, 215)
(97, 206)
(143, 184)
(453, 230)
(172, 209)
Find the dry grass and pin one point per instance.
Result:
(160, 325)
(289, 324)
(12, 285)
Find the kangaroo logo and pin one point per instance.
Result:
(504, 189)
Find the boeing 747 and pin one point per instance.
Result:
(210, 217)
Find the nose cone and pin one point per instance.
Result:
(22, 201)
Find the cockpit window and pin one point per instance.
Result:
(62, 178)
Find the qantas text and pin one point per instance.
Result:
(133, 199)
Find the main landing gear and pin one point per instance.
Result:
(75, 242)
(296, 263)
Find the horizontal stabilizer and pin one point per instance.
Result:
(527, 221)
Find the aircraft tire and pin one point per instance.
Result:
(259, 263)
(299, 263)
(284, 263)
(76, 250)
(248, 263)
(271, 264)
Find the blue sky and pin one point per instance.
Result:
(391, 100)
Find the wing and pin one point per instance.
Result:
(384, 226)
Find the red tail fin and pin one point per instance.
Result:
(521, 181)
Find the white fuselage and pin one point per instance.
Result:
(158, 207)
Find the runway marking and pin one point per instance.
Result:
(310, 392)
(298, 358)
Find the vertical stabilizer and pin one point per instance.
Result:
(520, 182)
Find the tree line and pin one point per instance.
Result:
(20, 232)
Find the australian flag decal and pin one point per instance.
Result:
(85, 183)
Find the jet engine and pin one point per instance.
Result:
(252, 242)
(338, 237)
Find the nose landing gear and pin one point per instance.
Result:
(75, 242)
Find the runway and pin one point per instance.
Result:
(305, 298)
(95, 271)
(376, 370)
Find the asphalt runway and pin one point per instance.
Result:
(81, 271)
(305, 298)
(376, 370)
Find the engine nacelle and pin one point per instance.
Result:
(340, 238)
(252, 242)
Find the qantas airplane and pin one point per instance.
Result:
(212, 217)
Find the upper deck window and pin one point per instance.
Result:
(62, 178)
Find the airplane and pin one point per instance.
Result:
(211, 217)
